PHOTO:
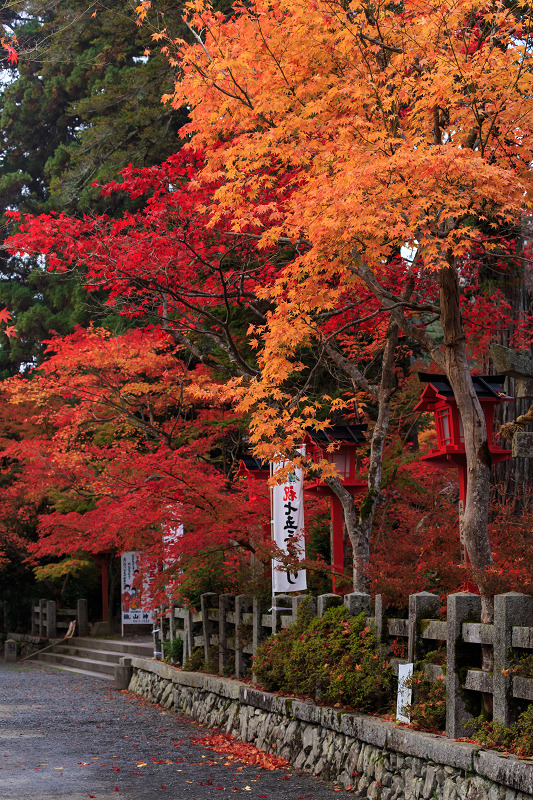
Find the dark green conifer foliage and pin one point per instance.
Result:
(84, 102)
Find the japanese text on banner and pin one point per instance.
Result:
(288, 530)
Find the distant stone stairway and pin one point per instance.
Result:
(94, 657)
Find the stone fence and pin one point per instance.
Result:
(231, 627)
(47, 619)
(374, 758)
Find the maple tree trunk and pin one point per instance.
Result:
(359, 523)
(478, 458)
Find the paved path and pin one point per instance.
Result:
(66, 736)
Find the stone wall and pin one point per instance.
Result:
(26, 644)
(369, 756)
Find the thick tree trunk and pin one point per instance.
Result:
(478, 458)
(452, 359)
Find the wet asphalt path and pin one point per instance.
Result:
(64, 735)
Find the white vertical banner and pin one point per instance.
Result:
(288, 529)
(405, 693)
(133, 612)
(172, 533)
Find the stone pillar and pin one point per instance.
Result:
(209, 626)
(380, 622)
(51, 619)
(225, 601)
(243, 603)
(423, 605)
(34, 618)
(462, 607)
(42, 614)
(357, 603)
(297, 602)
(123, 673)
(510, 609)
(187, 634)
(258, 633)
(10, 650)
(82, 616)
(282, 606)
(326, 601)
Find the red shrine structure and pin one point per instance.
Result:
(345, 439)
(450, 451)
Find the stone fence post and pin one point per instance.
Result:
(243, 604)
(51, 619)
(510, 609)
(82, 616)
(357, 603)
(423, 605)
(10, 651)
(462, 607)
(209, 626)
(282, 605)
(380, 622)
(225, 602)
(325, 601)
(42, 614)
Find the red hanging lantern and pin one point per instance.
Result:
(346, 438)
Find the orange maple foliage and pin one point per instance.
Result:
(395, 129)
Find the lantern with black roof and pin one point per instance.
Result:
(438, 397)
(345, 439)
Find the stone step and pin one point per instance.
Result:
(121, 646)
(78, 670)
(96, 657)
(52, 659)
(107, 656)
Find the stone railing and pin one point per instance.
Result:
(48, 621)
(231, 627)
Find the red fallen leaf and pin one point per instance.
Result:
(163, 787)
(241, 751)
(115, 789)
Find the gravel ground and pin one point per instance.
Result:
(64, 735)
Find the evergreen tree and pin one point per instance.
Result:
(84, 101)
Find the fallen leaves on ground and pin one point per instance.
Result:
(240, 751)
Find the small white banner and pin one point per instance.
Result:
(288, 529)
(133, 612)
(405, 693)
(172, 533)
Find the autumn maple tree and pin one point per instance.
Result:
(393, 131)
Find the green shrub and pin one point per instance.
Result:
(517, 738)
(196, 661)
(333, 658)
(173, 651)
(271, 656)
